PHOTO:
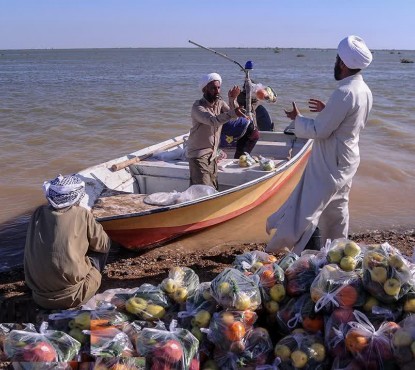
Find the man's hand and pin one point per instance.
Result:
(294, 113)
(234, 92)
(316, 105)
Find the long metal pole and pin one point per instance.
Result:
(217, 53)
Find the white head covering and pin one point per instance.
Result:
(354, 53)
(209, 78)
(64, 191)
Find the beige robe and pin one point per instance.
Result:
(322, 195)
(55, 263)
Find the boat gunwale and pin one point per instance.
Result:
(243, 186)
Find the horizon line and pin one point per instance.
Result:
(190, 47)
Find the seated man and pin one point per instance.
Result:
(66, 249)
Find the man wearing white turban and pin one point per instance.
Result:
(208, 115)
(320, 200)
(66, 249)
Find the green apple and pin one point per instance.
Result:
(242, 301)
(409, 305)
(396, 261)
(197, 333)
(370, 303)
(335, 255)
(272, 307)
(318, 352)
(348, 263)
(207, 295)
(224, 288)
(202, 319)
(83, 320)
(180, 295)
(283, 352)
(392, 287)
(256, 266)
(153, 312)
(169, 285)
(277, 292)
(379, 274)
(351, 249)
(299, 359)
(135, 305)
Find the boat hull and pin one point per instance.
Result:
(165, 224)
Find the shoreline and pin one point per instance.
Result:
(127, 269)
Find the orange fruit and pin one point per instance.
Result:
(236, 331)
(249, 317)
(313, 324)
(355, 342)
(347, 296)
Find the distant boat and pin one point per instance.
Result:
(118, 190)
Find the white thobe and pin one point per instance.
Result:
(322, 195)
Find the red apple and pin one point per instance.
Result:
(39, 352)
(171, 351)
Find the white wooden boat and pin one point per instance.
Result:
(116, 189)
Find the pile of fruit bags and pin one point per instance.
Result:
(347, 306)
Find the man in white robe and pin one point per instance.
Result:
(321, 198)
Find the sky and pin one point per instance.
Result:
(63, 24)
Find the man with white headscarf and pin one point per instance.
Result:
(66, 249)
(208, 116)
(320, 200)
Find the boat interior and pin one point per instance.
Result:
(153, 175)
(123, 192)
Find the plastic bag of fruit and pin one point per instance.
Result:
(243, 355)
(251, 261)
(180, 284)
(302, 351)
(172, 349)
(333, 287)
(271, 281)
(301, 274)
(5, 329)
(148, 302)
(387, 274)
(46, 346)
(300, 313)
(345, 253)
(403, 342)
(104, 318)
(371, 346)
(257, 348)
(198, 311)
(228, 329)
(114, 298)
(110, 341)
(336, 328)
(232, 289)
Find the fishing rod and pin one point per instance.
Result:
(248, 67)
